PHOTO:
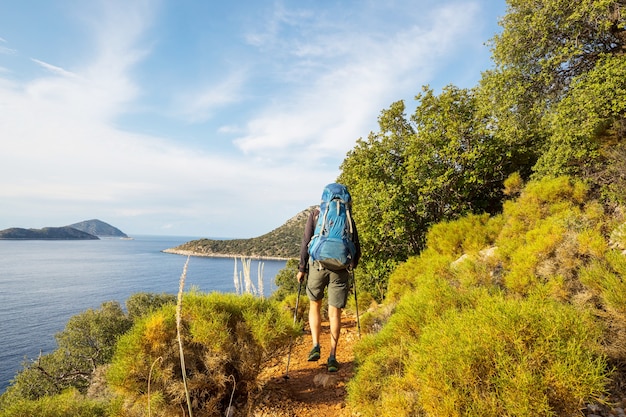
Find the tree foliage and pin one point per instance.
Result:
(438, 164)
(375, 173)
(286, 281)
(140, 304)
(553, 41)
(588, 123)
(558, 82)
(87, 342)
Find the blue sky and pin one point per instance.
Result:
(205, 118)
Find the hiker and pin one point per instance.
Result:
(329, 252)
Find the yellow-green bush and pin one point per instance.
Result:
(227, 340)
(381, 357)
(404, 278)
(68, 403)
(469, 234)
(507, 357)
(494, 357)
(549, 233)
(493, 319)
(605, 279)
(288, 303)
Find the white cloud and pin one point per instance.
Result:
(63, 150)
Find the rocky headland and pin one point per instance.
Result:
(280, 244)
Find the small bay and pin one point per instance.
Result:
(44, 283)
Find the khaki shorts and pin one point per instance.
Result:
(338, 283)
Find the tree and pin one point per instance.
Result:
(551, 42)
(140, 304)
(441, 163)
(375, 171)
(285, 280)
(556, 81)
(588, 123)
(87, 342)
(455, 164)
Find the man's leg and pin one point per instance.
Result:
(334, 316)
(315, 320)
(337, 298)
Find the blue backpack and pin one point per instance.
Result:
(332, 243)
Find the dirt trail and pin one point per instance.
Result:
(311, 390)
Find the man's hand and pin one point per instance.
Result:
(300, 276)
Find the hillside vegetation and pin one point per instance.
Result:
(515, 314)
(47, 233)
(493, 227)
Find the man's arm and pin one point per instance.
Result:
(309, 229)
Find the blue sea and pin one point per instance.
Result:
(44, 283)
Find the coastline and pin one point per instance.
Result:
(222, 255)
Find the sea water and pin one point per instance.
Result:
(44, 283)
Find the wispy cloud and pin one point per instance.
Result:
(5, 49)
(54, 69)
(200, 104)
(365, 72)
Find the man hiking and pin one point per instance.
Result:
(330, 250)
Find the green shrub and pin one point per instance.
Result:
(549, 233)
(605, 279)
(364, 299)
(87, 342)
(381, 357)
(405, 278)
(288, 304)
(69, 403)
(469, 234)
(507, 357)
(501, 357)
(227, 339)
(286, 282)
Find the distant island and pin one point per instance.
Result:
(98, 228)
(281, 243)
(85, 230)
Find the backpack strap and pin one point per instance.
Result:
(349, 220)
(324, 228)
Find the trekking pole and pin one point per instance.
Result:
(295, 315)
(356, 303)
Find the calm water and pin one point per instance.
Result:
(44, 283)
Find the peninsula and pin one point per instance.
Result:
(281, 243)
(47, 233)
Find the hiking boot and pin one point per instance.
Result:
(333, 365)
(314, 355)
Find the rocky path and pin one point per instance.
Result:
(310, 389)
